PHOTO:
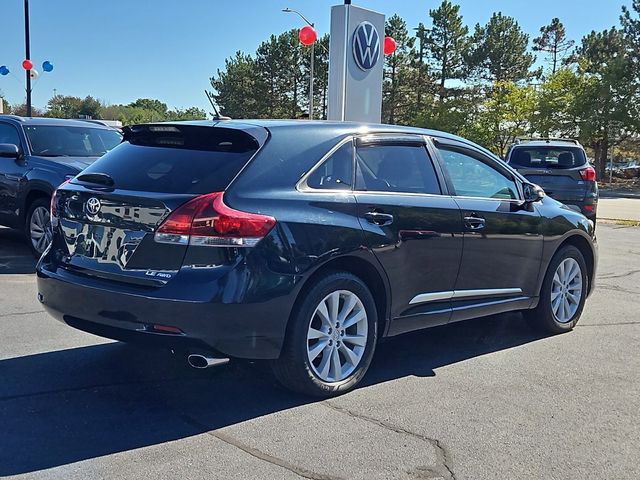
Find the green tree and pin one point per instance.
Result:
(64, 106)
(399, 75)
(608, 100)
(553, 40)
(236, 88)
(447, 42)
(498, 51)
(191, 113)
(151, 104)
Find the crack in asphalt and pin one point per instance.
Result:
(2, 315)
(254, 452)
(442, 455)
(620, 275)
(606, 324)
(615, 288)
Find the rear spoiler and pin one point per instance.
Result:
(521, 140)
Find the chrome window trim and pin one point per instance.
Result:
(453, 294)
(302, 186)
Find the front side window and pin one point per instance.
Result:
(70, 141)
(396, 168)
(8, 134)
(472, 177)
(336, 173)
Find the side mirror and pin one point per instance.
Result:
(532, 192)
(9, 150)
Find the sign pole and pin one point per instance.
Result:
(27, 45)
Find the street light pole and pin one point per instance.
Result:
(27, 47)
(311, 65)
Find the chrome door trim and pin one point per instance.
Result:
(451, 294)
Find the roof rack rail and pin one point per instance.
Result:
(520, 140)
(14, 117)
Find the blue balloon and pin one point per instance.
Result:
(4, 70)
(47, 66)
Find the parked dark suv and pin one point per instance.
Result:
(559, 166)
(303, 243)
(37, 155)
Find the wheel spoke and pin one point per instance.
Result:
(325, 363)
(314, 333)
(317, 348)
(347, 308)
(554, 295)
(336, 368)
(353, 319)
(350, 354)
(334, 304)
(323, 313)
(359, 340)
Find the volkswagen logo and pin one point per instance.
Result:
(93, 206)
(366, 46)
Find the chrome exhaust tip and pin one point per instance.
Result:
(197, 360)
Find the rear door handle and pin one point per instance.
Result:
(380, 219)
(473, 222)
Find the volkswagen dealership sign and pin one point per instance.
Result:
(355, 64)
(366, 46)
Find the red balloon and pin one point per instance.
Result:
(390, 45)
(27, 64)
(308, 35)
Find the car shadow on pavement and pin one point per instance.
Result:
(15, 256)
(66, 406)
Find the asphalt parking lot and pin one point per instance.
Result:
(485, 399)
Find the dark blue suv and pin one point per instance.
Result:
(37, 155)
(303, 243)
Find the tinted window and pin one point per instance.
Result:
(336, 173)
(188, 159)
(396, 168)
(70, 141)
(8, 134)
(547, 157)
(473, 178)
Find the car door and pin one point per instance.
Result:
(12, 172)
(503, 243)
(413, 229)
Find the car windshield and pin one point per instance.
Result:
(548, 157)
(71, 141)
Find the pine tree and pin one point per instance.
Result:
(553, 40)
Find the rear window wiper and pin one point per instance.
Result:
(97, 178)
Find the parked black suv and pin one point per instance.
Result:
(37, 155)
(304, 243)
(560, 167)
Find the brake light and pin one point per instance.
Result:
(588, 208)
(54, 203)
(588, 174)
(207, 221)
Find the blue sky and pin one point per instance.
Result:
(120, 50)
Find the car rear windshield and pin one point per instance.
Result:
(70, 141)
(548, 157)
(176, 159)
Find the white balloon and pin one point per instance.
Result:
(34, 74)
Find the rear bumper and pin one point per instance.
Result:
(252, 330)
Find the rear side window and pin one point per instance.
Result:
(336, 173)
(177, 159)
(547, 157)
(396, 168)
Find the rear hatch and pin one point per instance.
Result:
(104, 219)
(557, 169)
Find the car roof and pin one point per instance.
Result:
(556, 142)
(338, 128)
(15, 119)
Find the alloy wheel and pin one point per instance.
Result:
(40, 229)
(337, 336)
(566, 290)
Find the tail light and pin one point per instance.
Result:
(588, 208)
(207, 221)
(588, 174)
(54, 203)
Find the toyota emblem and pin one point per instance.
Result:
(93, 206)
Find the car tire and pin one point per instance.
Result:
(37, 228)
(563, 293)
(324, 353)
